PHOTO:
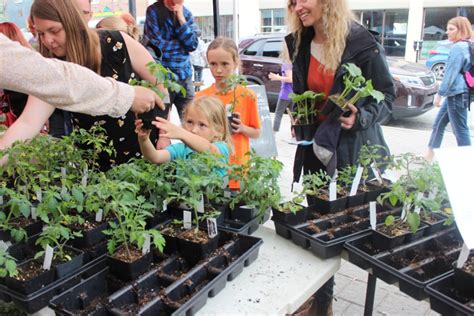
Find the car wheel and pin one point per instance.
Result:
(438, 70)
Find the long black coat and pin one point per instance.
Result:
(363, 50)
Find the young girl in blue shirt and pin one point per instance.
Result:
(204, 128)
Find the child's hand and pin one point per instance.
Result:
(143, 134)
(168, 129)
(236, 123)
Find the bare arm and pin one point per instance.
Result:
(288, 77)
(239, 127)
(148, 150)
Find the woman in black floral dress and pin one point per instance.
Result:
(64, 34)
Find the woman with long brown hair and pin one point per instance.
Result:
(64, 34)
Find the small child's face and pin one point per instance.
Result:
(197, 123)
(221, 63)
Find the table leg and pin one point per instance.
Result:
(370, 295)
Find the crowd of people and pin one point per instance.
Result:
(78, 78)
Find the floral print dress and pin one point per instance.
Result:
(116, 64)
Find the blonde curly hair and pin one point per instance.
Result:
(336, 19)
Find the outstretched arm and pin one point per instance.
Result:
(148, 150)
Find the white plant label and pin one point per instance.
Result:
(146, 245)
(48, 257)
(39, 195)
(34, 215)
(1, 199)
(85, 176)
(99, 215)
(3, 245)
(418, 197)
(225, 182)
(355, 183)
(63, 173)
(463, 255)
(211, 227)
(404, 212)
(187, 219)
(165, 206)
(227, 194)
(376, 173)
(433, 193)
(373, 214)
(332, 191)
(201, 205)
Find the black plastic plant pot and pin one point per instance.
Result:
(34, 228)
(356, 200)
(374, 191)
(464, 282)
(324, 206)
(446, 300)
(435, 225)
(193, 251)
(304, 132)
(418, 234)
(223, 209)
(150, 116)
(63, 269)
(128, 271)
(28, 286)
(244, 213)
(90, 237)
(289, 217)
(385, 242)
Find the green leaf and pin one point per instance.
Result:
(389, 220)
(413, 221)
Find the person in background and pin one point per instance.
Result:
(118, 24)
(86, 9)
(324, 36)
(69, 86)
(172, 34)
(453, 88)
(13, 101)
(286, 79)
(205, 128)
(198, 60)
(223, 60)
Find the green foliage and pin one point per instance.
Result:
(355, 83)
(17, 205)
(294, 205)
(314, 182)
(305, 106)
(375, 156)
(7, 264)
(231, 83)
(163, 76)
(56, 235)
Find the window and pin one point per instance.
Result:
(272, 49)
(273, 20)
(252, 50)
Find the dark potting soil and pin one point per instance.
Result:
(122, 255)
(394, 230)
(178, 303)
(433, 269)
(468, 266)
(29, 270)
(200, 236)
(172, 230)
(86, 226)
(22, 222)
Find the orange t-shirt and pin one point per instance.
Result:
(320, 80)
(247, 107)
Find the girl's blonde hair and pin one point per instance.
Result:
(214, 110)
(464, 28)
(118, 24)
(226, 44)
(81, 42)
(336, 20)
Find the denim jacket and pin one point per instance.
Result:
(458, 62)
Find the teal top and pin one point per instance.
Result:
(183, 151)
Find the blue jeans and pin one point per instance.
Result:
(454, 110)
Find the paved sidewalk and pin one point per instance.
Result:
(351, 281)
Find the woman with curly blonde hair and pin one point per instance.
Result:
(324, 36)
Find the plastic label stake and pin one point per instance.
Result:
(376, 173)
(373, 214)
(332, 191)
(201, 205)
(211, 227)
(355, 183)
(419, 196)
(187, 219)
(48, 257)
(85, 176)
(463, 255)
(98, 215)
(227, 194)
(225, 182)
(1, 199)
(165, 206)
(404, 212)
(33, 213)
(39, 195)
(146, 245)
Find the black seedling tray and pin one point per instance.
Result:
(446, 300)
(169, 288)
(411, 273)
(326, 235)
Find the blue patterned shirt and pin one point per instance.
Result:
(174, 40)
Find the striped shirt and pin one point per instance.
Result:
(174, 40)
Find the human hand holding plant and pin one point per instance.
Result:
(169, 129)
(143, 134)
(347, 122)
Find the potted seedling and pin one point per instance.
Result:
(231, 84)
(355, 88)
(291, 212)
(15, 221)
(373, 158)
(7, 263)
(304, 114)
(317, 186)
(345, 177)
(165, 78)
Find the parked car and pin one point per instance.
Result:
(394, 46)
(415, 84)
(438, 57)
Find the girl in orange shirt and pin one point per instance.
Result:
(223, 60)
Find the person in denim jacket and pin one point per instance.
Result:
(453, 88)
